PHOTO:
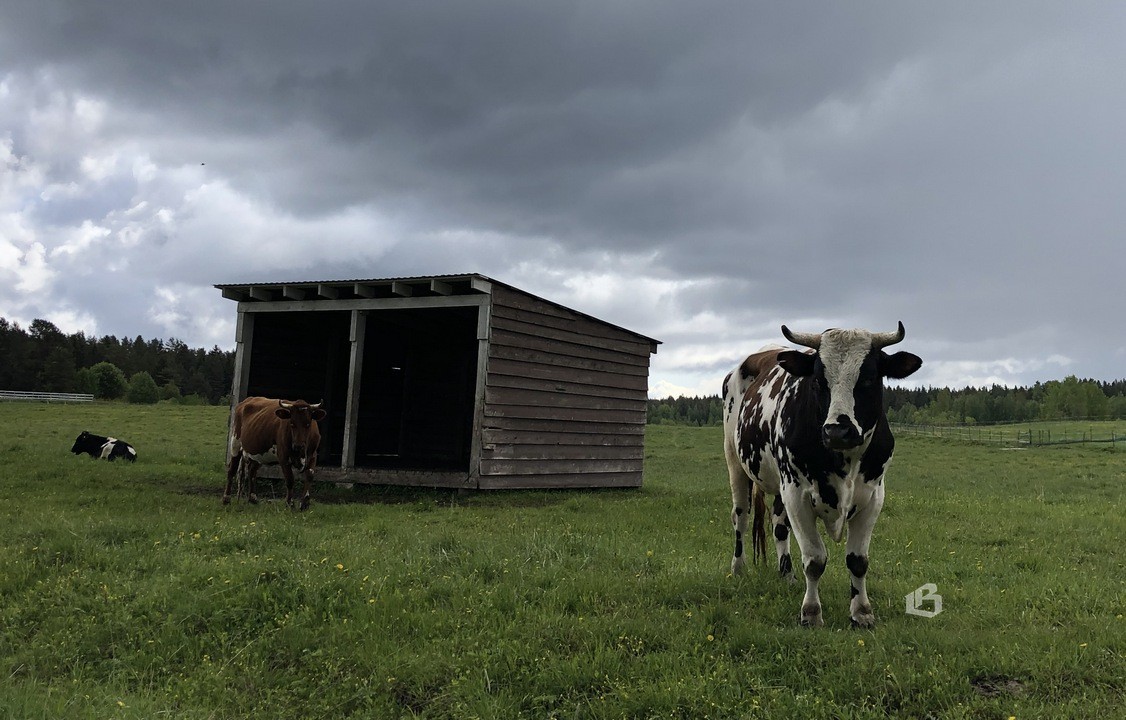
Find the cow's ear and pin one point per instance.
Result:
(899, 365)
(319, 414)
(796, 362)
(282, 413)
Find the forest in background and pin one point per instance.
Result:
(43, 358)
(1067, 399)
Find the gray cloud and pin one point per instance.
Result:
(737, 165)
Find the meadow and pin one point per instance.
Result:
(128, 591)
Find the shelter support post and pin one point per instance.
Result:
(357, 335)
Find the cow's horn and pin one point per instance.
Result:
(882, 340)
(809, 340)
(284, 404)
(314, 407)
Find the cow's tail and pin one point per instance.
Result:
(758, 527)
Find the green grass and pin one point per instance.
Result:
(127, 591)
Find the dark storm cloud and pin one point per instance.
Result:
(953, 165)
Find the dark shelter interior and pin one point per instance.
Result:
(417, 381)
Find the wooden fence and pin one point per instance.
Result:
(48, 397)
(1016, 436)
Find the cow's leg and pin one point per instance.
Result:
(780, 522)
(251, 478)
(233, 466)
(307, 490)
(250, 467)
(804, 524)
(859, 536)
(740, 504)
(287, 473)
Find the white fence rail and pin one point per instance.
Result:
(48, 397)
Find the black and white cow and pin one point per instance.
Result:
(106, 448)
(809, 428)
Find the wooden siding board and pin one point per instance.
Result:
(563, 401)
(563, 452)
(549, 482)
(501, 367)
(551, 425)
(558, 467)
(566, 349)
(496, 437)
(562, 360)
(514, 382)
(567, 414)
(582, 334)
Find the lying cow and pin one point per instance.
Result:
(267, 431)
(106, 448)
(809, 428)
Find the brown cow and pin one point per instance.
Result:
(265, 431)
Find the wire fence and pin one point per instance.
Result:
(1022, 436)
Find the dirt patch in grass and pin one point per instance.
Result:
(992, 686)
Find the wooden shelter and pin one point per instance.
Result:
(449, 381)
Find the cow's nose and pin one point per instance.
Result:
(840, 435)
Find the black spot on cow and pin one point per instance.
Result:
(828, 492)
(854, 591)
(738, 544)
(779, 506)
(739, 511)
(814, 569)
(857, 564)
(851, 512)
(725, 381)
(785, 565)
(781, 533)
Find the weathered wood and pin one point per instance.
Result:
(391, 303)
(591, 437)
(582, 333)
(566, 349)
(516, 396)
(557, 467)
(502, 367)
(510, 297)
(565, 388)
(357, 335)
(551, 482)
(526, 451)
(571, 414)
(550, 425)
(525, 354)
(505, 297)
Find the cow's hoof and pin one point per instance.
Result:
(252, 499)
(811, 616)
(226, 499)
(863, 617)
(738, 565)
(305, 503)
(864, 622)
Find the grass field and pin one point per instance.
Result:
(127, 591)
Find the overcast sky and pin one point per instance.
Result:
(699, 172)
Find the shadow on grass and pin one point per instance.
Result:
(365, 494)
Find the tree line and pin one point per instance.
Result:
(43, 358)
(1067, 399)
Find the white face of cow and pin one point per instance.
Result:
(843, 356)
(848, 370)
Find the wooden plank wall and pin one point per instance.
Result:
(565, 398)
